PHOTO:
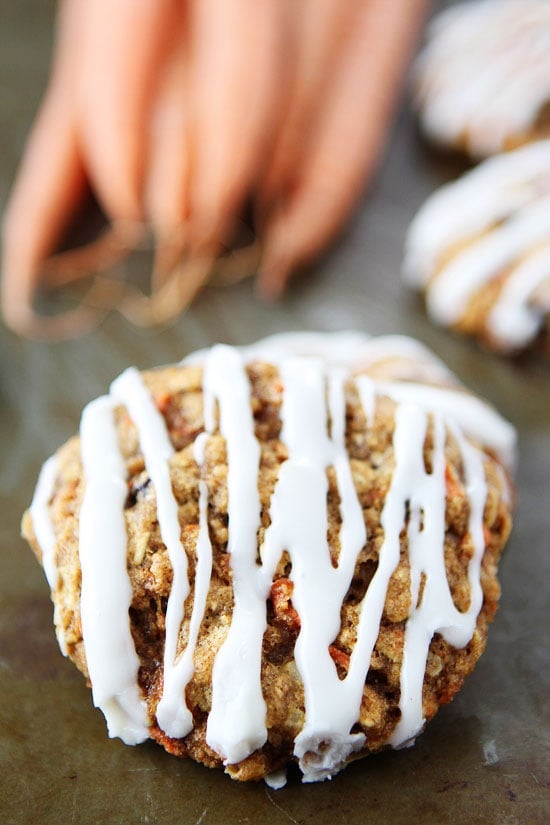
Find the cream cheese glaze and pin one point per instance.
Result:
(313, 418)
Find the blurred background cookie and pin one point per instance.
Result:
(480, 249)
(482, 82)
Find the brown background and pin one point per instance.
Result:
(56, 763)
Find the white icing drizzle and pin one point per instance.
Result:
(449, 293)
(367, 395)
(501, 212)
(299, 525)
(355, 351)
(173, 715)
(313, 418)
(42, 521)
(459, 210)
(515, 318)
(45, 536)
(473, 415)
(129, 390)
(106, 592)
(425, 495)
(485, 72)
(236, 723)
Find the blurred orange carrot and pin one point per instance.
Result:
(179, 114)
(166, 194)
(50, 185)
(348, 140)
(316, 39)
(235, 88)
(122, 48)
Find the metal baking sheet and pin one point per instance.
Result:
(485, 758)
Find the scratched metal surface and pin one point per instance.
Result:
(486, 755)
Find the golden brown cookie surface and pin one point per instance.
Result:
(482, 82)
(257, 560)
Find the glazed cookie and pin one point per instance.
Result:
(283, 553)
(480, 249)
(482, 83)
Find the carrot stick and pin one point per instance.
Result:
(317, 34)
(50, 184)
(167, 182)
(348, 141)
(235, 59)
(118, 66)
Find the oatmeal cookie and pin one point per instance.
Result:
(480, 249)
(282, 553)
(482, 83)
